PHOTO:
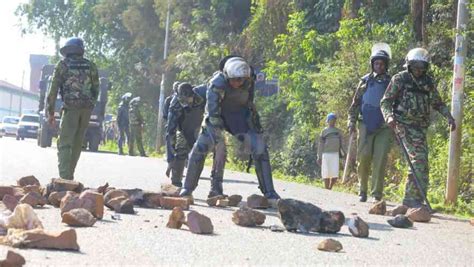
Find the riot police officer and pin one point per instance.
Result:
(230, 107)
(77, 80)
(123, 121)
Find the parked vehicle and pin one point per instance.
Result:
(28, 126)
(9, 125)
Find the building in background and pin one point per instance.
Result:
(36, 64)
(15, 101)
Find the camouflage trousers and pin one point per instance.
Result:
(136, 135)
(72, 129)
(414, 140)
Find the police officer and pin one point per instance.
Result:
(375, 137)
(77, 80)
(230, 107)
(182, 129)
(166, 106)
(123, 121)
(136, 127)
(406, 108)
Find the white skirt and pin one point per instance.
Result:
(330, 165)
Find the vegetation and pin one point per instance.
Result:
(317, 49)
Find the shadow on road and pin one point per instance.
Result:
(231, 181)
(380, 227)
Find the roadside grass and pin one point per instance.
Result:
(392, 192)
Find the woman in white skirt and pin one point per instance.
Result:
(329, 151)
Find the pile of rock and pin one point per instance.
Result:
(224, 201)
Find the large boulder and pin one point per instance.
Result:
(331, 222)
(54, 198)
(299, 216)
(170, 190)
(13, 259)
(93, 202)
(234, 200)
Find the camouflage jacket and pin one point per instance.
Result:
(355, 108)
(135, 115)
(77, 80)
(409, 100)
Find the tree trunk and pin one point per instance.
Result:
(355, 6)
(418, 13)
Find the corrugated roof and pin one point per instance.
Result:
(10, 86)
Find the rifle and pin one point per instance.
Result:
(415, 176)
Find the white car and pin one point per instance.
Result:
(9, 125)
(28, 126)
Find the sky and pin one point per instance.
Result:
(15, 49)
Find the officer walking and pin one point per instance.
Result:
(375, 137)
(77, 81)
(123, 122)
(136, 127)
(182, 129)
(230, 107)
(406, 108)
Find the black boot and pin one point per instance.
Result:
(264, 175)
(216, 187)
(195, 166)
(177, 169)
(363, 197)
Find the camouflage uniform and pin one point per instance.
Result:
(136, 128)
(408, 101)
(374, 140)
(77, 80)
(232, 110)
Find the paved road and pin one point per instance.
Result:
(143, 239)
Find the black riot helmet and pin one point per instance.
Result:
(380, 55)
(185, 94)
(175, 87)
(73, 46)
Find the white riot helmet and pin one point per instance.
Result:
(236, 67)
(417, 55)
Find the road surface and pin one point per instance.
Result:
(143, 239)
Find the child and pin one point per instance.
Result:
(329, 150)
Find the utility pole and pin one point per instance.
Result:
(454, 159)
(159, 132)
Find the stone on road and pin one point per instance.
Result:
(151, 243)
